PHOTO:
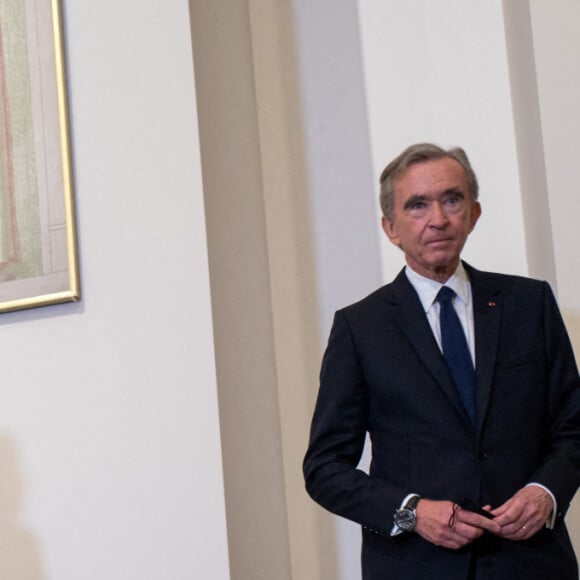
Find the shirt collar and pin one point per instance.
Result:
(427, 289)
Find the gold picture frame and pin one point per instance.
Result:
(38, 247)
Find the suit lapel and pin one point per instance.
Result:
(487, 314)
(408, 314)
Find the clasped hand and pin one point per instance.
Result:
(519, 518)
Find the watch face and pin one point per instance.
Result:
(405, 518)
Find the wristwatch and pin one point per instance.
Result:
(405, 517)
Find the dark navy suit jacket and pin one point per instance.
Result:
(383, 373)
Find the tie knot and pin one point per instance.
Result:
(446, 294)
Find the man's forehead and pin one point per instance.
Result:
(443, 173)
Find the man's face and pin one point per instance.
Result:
(432, 217)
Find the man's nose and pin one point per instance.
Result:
(438, 217)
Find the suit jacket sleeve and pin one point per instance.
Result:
(337, 439)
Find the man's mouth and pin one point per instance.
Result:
(439, 241)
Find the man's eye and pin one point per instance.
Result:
(452, 200)
(418, 205)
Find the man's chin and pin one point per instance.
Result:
(443, 254)
(444, 247)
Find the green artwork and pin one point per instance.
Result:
(20, 230)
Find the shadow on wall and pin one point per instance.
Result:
(572, 320)
(19, 553)
(572, 519)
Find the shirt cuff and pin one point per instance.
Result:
(396, 530)
(551, 521)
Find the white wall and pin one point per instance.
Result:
(556, 47)
(109, 436)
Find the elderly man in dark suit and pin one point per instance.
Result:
(467, 385)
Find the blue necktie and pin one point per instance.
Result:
(456, 351)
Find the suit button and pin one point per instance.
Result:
(483, 455)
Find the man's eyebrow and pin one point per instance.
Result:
(453, 191)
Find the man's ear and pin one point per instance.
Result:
(390, 231)
(475, 215)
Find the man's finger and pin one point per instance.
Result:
(478, 521)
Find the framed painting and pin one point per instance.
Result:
(38, 249)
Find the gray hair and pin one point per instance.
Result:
(420, 153)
